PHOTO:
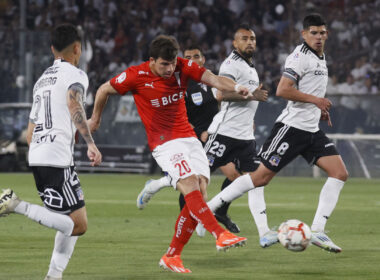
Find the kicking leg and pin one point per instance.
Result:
(151, 187)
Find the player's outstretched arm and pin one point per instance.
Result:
(224, 84)
(101, 98)
(259, 94)
(78, 116)
(286, 89)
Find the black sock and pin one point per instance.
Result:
(181, 200)
(222, 211)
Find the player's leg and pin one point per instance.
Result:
(151, 187)
(73, 204)
(231, 174)
(185, 161)
(328, 198)
(323, 153)
(64, 245)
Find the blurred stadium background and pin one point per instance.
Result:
(117, 34)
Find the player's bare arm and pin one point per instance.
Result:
(287, 90)
(78, 116)
(223, 84)
(29, 132)
(259, 94)
(101, 98)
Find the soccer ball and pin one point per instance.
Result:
(294, 235)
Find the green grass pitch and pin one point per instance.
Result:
(123, 242)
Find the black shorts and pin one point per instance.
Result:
(221, 150)
(285, 143)
(59, 188)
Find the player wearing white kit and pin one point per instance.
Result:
(232, 132)
(296, 131)
(56, 114)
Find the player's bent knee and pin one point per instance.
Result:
(343, 175)
(79, 229)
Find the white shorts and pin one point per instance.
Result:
(181, 158)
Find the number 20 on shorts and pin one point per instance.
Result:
(183, 167)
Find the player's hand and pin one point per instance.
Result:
(323, 103)
(204, 136)
(242, 90)
(93, 125)
(325, 116)
(94, 155)
(260, 94)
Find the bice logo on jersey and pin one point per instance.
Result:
(165, 100)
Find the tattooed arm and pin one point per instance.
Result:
(78, 116)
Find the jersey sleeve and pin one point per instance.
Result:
(295, 66)
(191, 69)
(125, 81)
(229, 70)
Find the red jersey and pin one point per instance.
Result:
(160, 102)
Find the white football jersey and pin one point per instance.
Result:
(53, 137)
(310, 74)
(235, 119)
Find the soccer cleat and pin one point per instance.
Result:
(52, 278)
(173, 264)
(228, 240)
(228, 223)
(144, 196)
(321, 240)
(268, 239)
(8, 202)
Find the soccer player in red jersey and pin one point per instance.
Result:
(158, 87)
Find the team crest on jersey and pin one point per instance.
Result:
(121, 78)
(197, 98)
(275, 160)
(296, 55)
(211, 160)
(79, 194)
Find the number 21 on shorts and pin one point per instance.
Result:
(183, 167)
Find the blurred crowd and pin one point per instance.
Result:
(117, 34)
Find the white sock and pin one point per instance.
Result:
(156, 185)
(327, 202)
(234, 190)
(256, 203)
(46, 217)
(63, 249)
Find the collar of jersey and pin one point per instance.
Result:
(314, 52)
(243, 58)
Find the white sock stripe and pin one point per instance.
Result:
(280, 134)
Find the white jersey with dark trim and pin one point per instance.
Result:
(310, 74)
(235, 119)
(53, 136)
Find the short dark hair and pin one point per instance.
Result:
(64, 35)
(313, 20)
(244, 26)
(164, 46)
(193, 47)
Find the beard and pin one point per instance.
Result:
(247, 53)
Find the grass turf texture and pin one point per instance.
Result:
(123, 242)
